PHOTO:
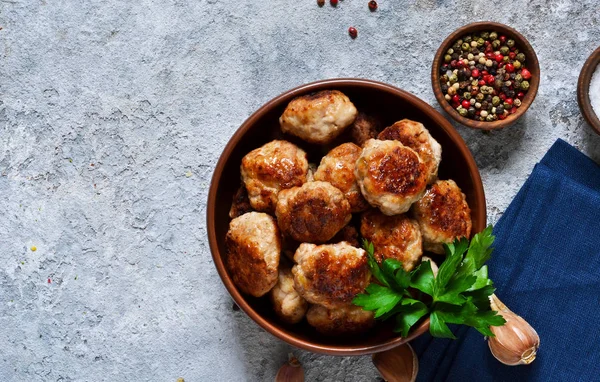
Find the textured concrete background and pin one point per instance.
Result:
(112, 116)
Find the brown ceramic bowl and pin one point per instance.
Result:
(583, 90)
(522, 44)
(390, 104)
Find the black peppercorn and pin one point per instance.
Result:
(499, 109)
(510, 94)
(444, 88)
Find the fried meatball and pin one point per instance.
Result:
(330, 274)
(314, 212)
(397, 237)
(337, 168)
(269, 169)
(364, 128)
(288, 304)
(443, 215)
(414, 135)
(349, 234)
(318, 117)
(253, 250)
(240, 204)
(391, 176)
(347, 319)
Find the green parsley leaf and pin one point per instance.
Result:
(438, 328)
(454, 256)
(422, 278)
(380, 299)
(411, 311)
(479, 252)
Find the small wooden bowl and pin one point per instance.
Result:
(583, 90)
(388, 103)
(532, 65)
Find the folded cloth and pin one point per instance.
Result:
(546, 268)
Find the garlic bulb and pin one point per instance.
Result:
(399, 364)
(291, 371)
(516, 343)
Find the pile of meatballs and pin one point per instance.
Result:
(292, 234)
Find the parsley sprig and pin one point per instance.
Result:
(457, 295)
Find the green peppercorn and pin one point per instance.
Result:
(517, 64)
(480, 96)
(519, 77)
(525, 85)
(459, 42)
(447, 58)
(493, 36)
(521, 57)
(480, 42)
(504, 50)
(510, 43)
(465, 46)
(490, 118)
(496, 101)
(463, 112)
(498, 83)
(507, 105)
(450, 51)
(496, 44)
(467, 38)
(485, 35)
(453, 78)
(517, 102)
(474, 83)
(467, 95)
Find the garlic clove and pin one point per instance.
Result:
(399, 364)
(434, 266)
(516, 342)
(291, 371)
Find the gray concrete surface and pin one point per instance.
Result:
(112, 116)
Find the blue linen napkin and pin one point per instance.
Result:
(546, 268)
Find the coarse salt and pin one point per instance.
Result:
(594, 91)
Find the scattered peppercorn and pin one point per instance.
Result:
(352, 32)
(484, 76)
(333, 3)
(372, 5)
(320, 3)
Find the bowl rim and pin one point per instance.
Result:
(583, 90)
(342, 350)
(527, 100)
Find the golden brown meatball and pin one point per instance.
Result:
(348, 319)
(364, 128)
(337, 168)
(443, 215)
(288, 304)
(253, 250)
(314, 212)
(318, 117)
(391, 176)
(269, 169)
(330, 274)
(240, 204)
(397, 237)
(414, 135)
